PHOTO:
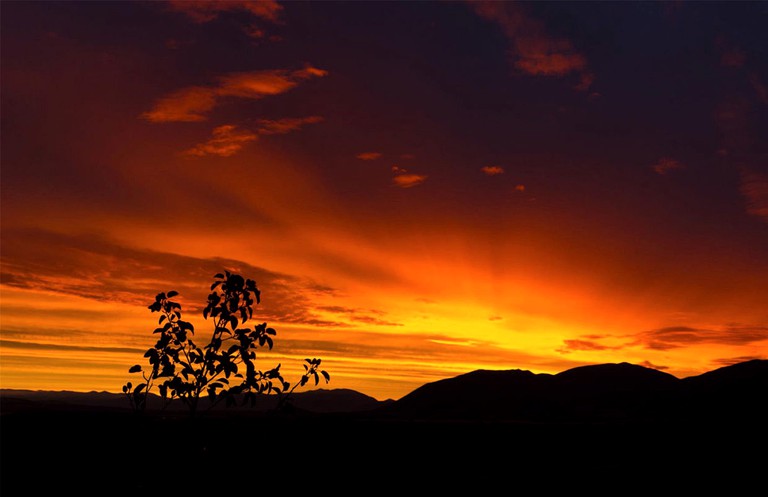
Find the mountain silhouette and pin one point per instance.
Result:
(592, 428)
(594, 393)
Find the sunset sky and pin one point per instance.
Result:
(419, 189)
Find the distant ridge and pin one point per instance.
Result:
(317, 401)
(595, 393)
(612, 392)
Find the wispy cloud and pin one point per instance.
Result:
(492, 170)
(185, 105)
(368, 316)
(754, 187)
(227, 140)
(533, 50)
(103, 270)
(649, 364)
(581, 345)
(682, 336)
(285, 125)
(520, 188)
(207, 10)
(404, 179)
(196, 102)
(369, 155)
(666, 164)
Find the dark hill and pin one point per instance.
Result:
(590, 429)
(596, 393)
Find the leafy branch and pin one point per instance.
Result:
(224, 369)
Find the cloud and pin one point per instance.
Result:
(520, 188)
(285, 125)
(649, 364)
(754, 187)
(495, 318)
(185, 105)
(196, 102)
(736, 360)
(492, 170)
(533, 51)
(103, 270)
(665, 164)
(360, 315)
(207, 10)
(227, 140)
(13, 344)
(682, 336)
(580, 345)
(369, 156)
(404, 179)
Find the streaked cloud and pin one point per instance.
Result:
(649, 364)
(285, 125)
(368, 316)
(185, 105)
(227, 140)
(404, 179)
(533, 50)
(369, 155)
(207, 10)
(14, 344)
(754, 187)
(409, 180)
(730, 361)
(683, 336)
(492, 170)
(103, 270)
(574, 345)
(666, 164)
(196, 102)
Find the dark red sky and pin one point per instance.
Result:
(419, 188)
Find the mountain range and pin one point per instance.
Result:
(612, 392)
(606, 428)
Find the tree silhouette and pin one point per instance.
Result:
(225, 368)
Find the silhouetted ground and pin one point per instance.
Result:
(109, 453)
(614, 429)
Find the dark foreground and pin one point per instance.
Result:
(117, 453)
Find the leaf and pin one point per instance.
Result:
(326, 376)
(135, 368)
(139, 388)
(219, 275)
(172, 294)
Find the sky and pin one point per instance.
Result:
(419, 189)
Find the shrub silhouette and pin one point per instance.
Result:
(225, 368)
